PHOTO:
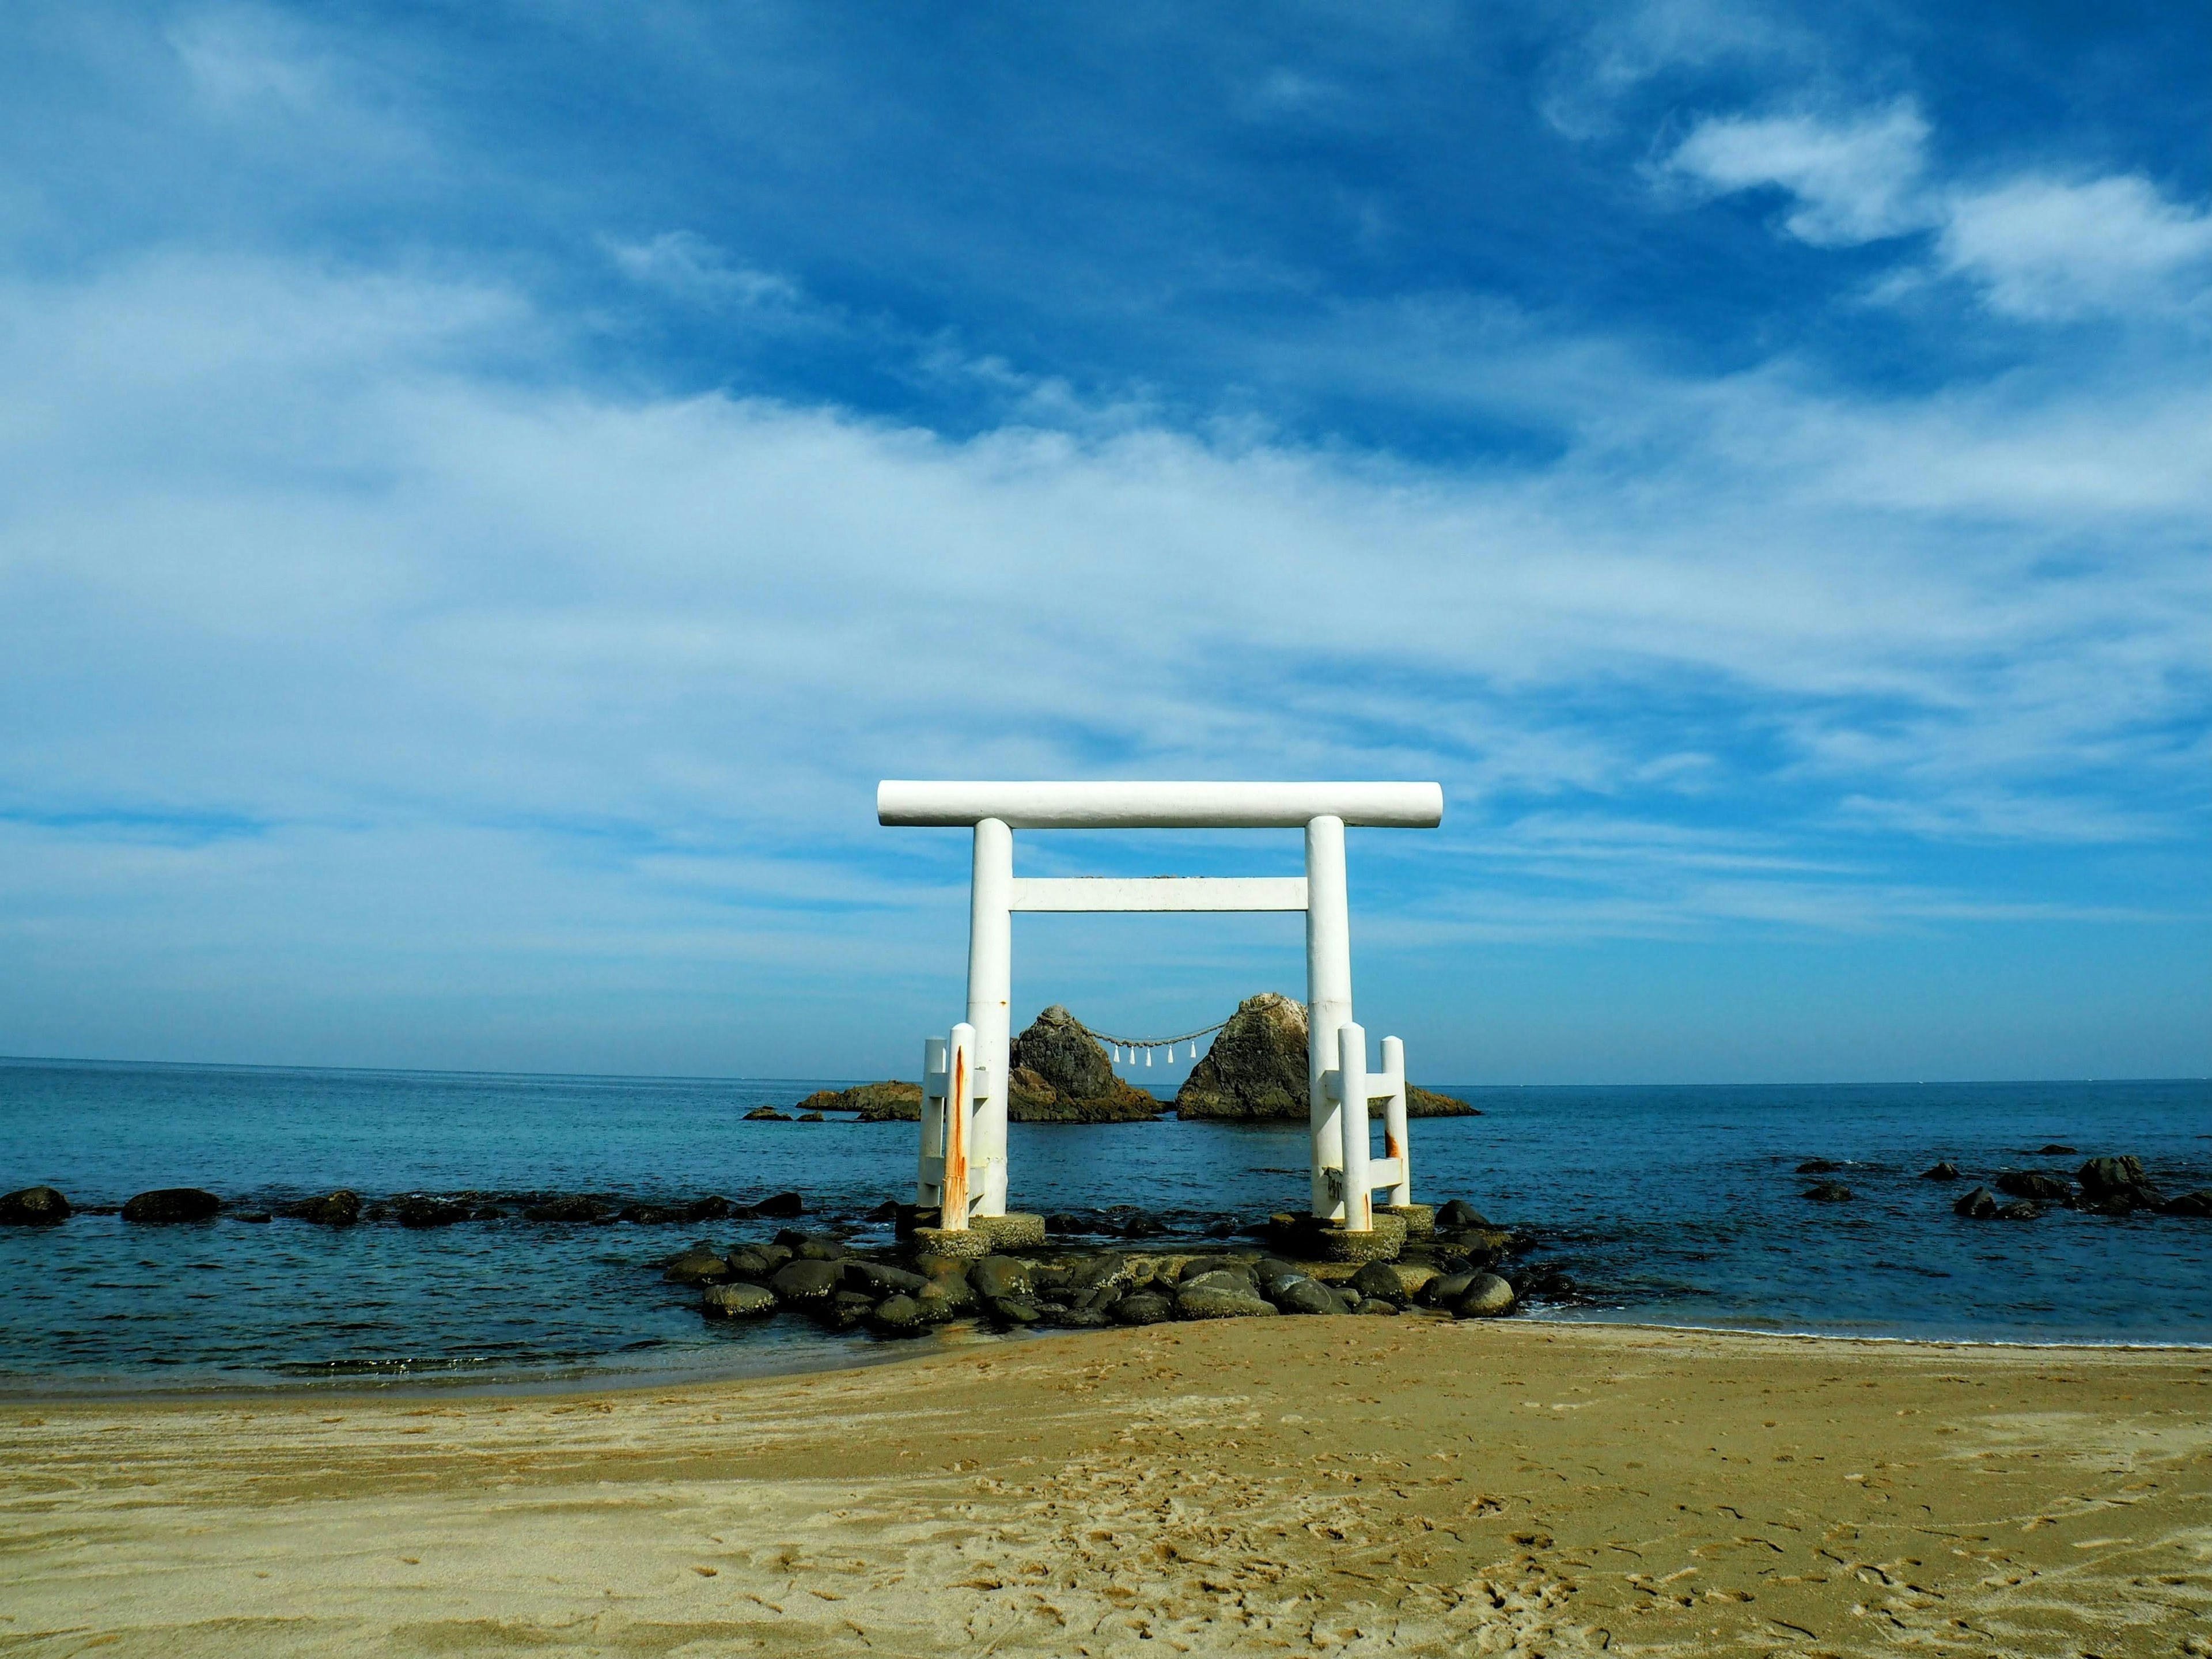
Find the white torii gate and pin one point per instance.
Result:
(962, 1161)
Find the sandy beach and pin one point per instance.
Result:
(1248, 1485)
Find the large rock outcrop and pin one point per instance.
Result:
(1257, 1069)
(876, 1103)
(1060, 1074)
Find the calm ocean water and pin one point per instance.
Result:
(1674, 1205)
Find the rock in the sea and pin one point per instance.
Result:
(804, 1283)
(767, 1114)
(712, 1207)
(2054, 1150)
(810, 1117)
(1460, 1213)
(166, 1205)
(2198, 1203)
(1818, 1166)
(1143, 1308)
(696, 1266)
(1256, 1068)
(898, 1315)
(2113, 1185)
(574, 1207)
(737, 1301)
(2020, 1209)
(2032, 1183)
(339, 1209)
(1220, 1300)
(995, 1276)
(1486, 1296)
(1979, 1205)
(1946, 1170)
(33, 1207)
(416, 1211)
(780, 1207)
(889, 1101)
(1059, 1074)
(1829, 1191)
(650, 1215)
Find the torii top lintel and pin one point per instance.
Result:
(1159, 806)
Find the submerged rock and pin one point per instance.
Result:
(574, 1208)
(2054, 1150)
(767, 1114)
(1829, 1191)
(1978, 1206)
(1818, 1166)
(34, 1207)
(1946, 1170)
(696, 1266)
(2032, 1183)
(2198, 1203)
(341, 1208)
(416, 1211)
(166, 1205)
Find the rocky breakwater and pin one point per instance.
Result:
(1058, 1074)
(1257, 1069)
(1465, 1271)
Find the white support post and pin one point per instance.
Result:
(990, 996)
(1352, 1088)
(1396, 1143)
(936, 1092)
(1328, 1003)
(953, 1189)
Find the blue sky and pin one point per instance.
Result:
(489, 489)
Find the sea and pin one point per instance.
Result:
(1674, 1205)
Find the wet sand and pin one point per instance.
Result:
(1255, 1485)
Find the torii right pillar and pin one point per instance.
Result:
(1329, 1004)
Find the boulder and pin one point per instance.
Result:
(1459, 1214)
(2114, 1185)
(1818, 1166)
(810, 1117)
(2032, 1183)
(1829, 1191)
(840, 1311)
(698, 1265)
(1301, 1295)
(341, 1208)
(712, 1207)
(1376, 1305)
(1486, 1297)
(806, 1284)
(650, 1215)
(33, 1207)
(1378, 1279)
(1979, 1205)
(1013, 1310)
(936, 1307)
(1946, 1170)
(767, 1114)
(1059, 1073)
(879, 1278)
(1443, 1291)
(1143, 1308)
(1221, 1279)
(780, 1207)
(1207, 1301)
(996, 1276)
(576, 1207)
(2020, 1209)
(1106, 1271)
(898, 1315)
(737, 1301)
(747, 1262)
(889, 1101)
(2198, 1203)
(419, 1211)
(812, 1247)
(166, 1205)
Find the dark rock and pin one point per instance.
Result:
(1143, 1308)
(804, 1283)
(1979, 1205)
(1221, 1279)
(747, 1262)
(1087, 1317)
(1448, 1288)
(767, 1114)
(1460, 1213)
(1487, 1297)
(781, 1207)
(812, 1247)
(1106, 1271)
(1059, 1073)
(2032, 1183)
(416, 1211)
(898, 1315)
(698, 1265)
(2020, 1209)
(1427, 1103)
(936, 1306)
(487, 1213)
(1376, 1305)
(2054, 1150)
(714, 1207)
(1137, 1224)
(957, 1295)
(166, 1205)
(1549, 1282)
(2198, 1203)
(339, 1209)
(1378, 1279)
(881, 1279)
(737, 1301)
(576, 1207)
(2112, 1185)
(997, 1276)
(1013, 1310)
(1829, 1191)
(254, 1217)
(886, 1211)
(892, 1102)
(810, 1117)
(842, 1310)
(1211, 1264)
(1207, 1301)
(1256, 1068)
(650, 1215)
(1301, 1295)
(1061, 1222)
(1818, 1166)
(33, 1207)
(1946, 1170)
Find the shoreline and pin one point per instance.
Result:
(1227, 1487)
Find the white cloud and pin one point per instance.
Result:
(2041, 247)
(1854, 179)
(686, 265)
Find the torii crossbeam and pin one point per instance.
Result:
(962, 1166)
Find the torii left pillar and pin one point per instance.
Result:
(990, 987)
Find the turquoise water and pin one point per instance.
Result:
(1667, 1205)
